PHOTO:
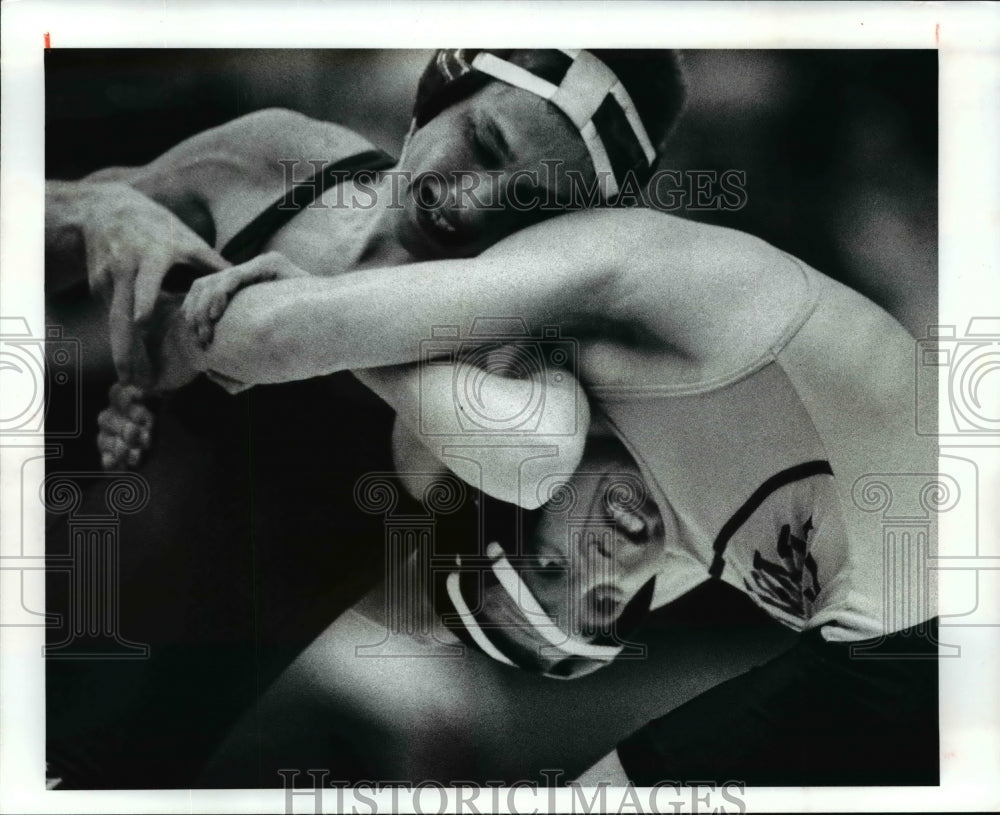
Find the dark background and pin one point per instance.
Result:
(839, 147)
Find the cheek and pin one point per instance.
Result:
(435, 148)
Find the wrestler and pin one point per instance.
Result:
(743, 385)
(751, 412)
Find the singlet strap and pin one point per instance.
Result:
(249, 241)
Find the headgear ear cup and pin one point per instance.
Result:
(491, 610)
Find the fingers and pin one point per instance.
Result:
(148, 281)
(125, 429)
(200, 317)
(115, 454)
(203, 255)
(200, 309)
(130, 432)
(209, 296)
(210, 306)
(114, 451)
(127, 399)
(123, 334)
(124, 397)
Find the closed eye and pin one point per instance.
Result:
(484, 140)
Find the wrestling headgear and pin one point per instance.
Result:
(489, 607)
(623, 103)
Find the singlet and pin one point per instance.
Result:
(251, 239)
(773, 472)
(765, 469)
(248, 242)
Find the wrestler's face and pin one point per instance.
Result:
(599, 540)
(477, 174)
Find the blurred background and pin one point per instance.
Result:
(839, 147)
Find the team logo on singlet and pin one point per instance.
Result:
(784, 509)
(793, 581)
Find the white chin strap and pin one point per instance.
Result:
(535, 615)
(587, 83)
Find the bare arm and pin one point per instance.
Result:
(515, 435)
(295, 329)
(123, 228)
(663, 288)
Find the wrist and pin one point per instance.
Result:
(173, 347)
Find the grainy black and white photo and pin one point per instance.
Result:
(490, 415)
(493, 428)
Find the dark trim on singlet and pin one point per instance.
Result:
(740, 517)
(251, 239)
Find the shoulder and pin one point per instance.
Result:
(275, 133)
(642, 241)
(249, 149)
(241, 158)
(718, 296)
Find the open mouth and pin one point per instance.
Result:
(438, 222)
(607, 601)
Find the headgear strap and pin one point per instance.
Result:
(583, 90)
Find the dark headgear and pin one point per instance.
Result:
(623, 103)
(540, 646)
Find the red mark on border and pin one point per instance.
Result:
(937, 34)
(48, 43)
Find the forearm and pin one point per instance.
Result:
(70, 207)
(295, 329)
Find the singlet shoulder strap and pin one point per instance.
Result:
(248, 242)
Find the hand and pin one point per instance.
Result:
(210, 295)
(175, 355)
(126, 428)
(131, 243)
